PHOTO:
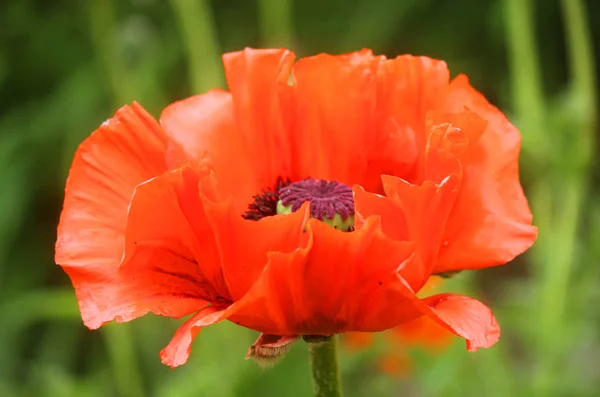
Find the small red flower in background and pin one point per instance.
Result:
(224, 209)
(421, 332)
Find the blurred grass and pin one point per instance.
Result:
(201, 46)
(65, 67)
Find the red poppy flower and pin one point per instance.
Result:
(224, 209)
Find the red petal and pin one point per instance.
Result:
(365, 102)
(243, 245)
(367, 204)
(448, 140)
(412, 213)
(336, 102)
(258, 81)
(124, 152)
(410, 86)
(454, 132)
(171, 266)
(167, 214)
(463, 316)
(164, 280)
(179, 348)
(205, 125)
(341, 131)
(338, 282)
(491, 222)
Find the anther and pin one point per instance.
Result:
(265, 204)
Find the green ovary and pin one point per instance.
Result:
(336, 222)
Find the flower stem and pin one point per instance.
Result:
(275, 22)
(325, 370)
(103, 24)
(528, 96)
(198, 29)
(582, 71)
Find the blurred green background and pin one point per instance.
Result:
(65, 66)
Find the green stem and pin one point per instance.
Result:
(582, 70)
(275, 22)
(558, 216)
(325, 370)
(199, 32)
(103, 29)
(526, 80)
(122, 356)
(562, 231)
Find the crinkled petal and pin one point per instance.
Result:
(164, 280)
(425, 208)
(409, 87)
(341, 134)
(205, 126)
(336, 103)
(463, 316)
(125, 151)
(367, 204)
(243, 245)
(336, 283)
(491, 221)
(258, 82)
(171, 266)
(179, 348)
(412, 213)
(168, 214)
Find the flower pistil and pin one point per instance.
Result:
(330, 201)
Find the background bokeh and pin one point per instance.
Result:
(66, 65)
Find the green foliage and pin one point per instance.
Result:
(64, 68)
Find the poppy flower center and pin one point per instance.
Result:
(330, 201)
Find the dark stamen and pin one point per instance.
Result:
(326, 198)
(265, 204)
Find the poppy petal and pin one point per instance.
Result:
(412, 213)
(258, 82)
(322, 287)
(367, 204)
(125, 151)
(491, 221)
(243, 245)
(463, 316)
(178, 350)
(409, 87)
(167, 215)
(163, 280)
(336, 102)
(341, 131)
(205, 125)
(344, 270)
(447, 141)
(169, 266)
